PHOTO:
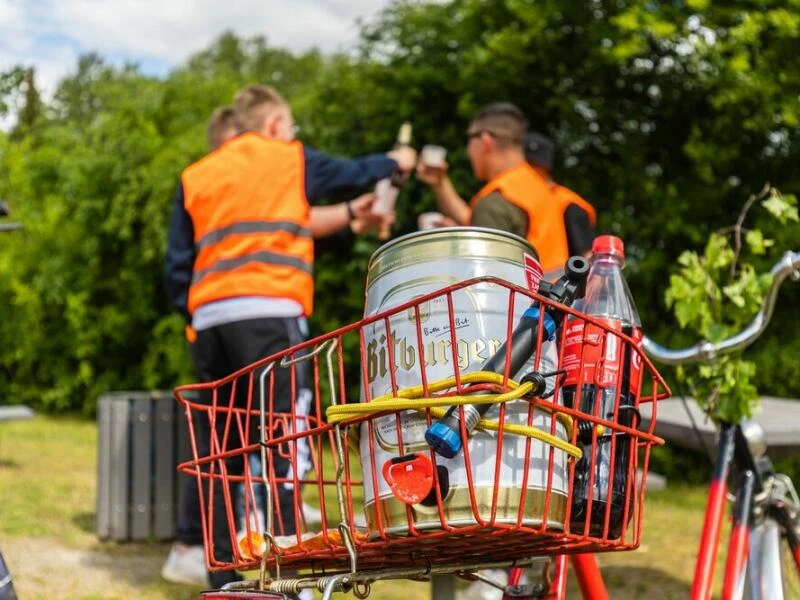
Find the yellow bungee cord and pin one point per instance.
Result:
(411, 399)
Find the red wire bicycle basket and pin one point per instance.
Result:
(534, 478)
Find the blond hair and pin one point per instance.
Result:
(254, 103)
(221, 126)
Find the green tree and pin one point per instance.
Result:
(665, 116)
(93, 182)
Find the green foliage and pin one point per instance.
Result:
(679, 464)
(664, 115)
(11, 88)
(81, 287)
(714, 295)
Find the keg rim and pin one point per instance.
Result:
(441, 230)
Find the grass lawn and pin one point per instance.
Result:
(47, 495)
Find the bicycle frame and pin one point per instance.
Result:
(764, 562)
(554, 587)
(754, 547)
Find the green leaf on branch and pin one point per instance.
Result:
(757, 243)
(782, 207)
(716, 295)
(736, 291)
(718, 253)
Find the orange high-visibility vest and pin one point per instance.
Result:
(250, 214)
(545, 203)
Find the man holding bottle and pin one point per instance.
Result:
(240, 252)
(517, 198)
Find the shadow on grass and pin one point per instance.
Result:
(644, 582)
(84, 521)
(139, 565)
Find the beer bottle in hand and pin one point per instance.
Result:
(386, 190)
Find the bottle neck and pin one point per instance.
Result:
(608, 259)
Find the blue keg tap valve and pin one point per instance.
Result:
(444, 435)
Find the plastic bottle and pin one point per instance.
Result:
(600, 361)
(386, 190)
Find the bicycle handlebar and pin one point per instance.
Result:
(789, 264)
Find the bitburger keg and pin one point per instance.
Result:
(415, 265)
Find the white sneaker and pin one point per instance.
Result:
(312, 514)
(186, 564)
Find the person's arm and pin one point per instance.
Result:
(496, 212)
(326, 220)
(450, 203)
(180, 256)
(447, 199)
(342, 239)
(327, 175)
(580, 231)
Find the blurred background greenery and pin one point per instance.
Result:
(666, 116)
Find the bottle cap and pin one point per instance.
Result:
(608, 244)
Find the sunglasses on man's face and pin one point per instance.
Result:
(474, 134)
(479, 133)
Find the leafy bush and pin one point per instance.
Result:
(665, 115)
(715, 295)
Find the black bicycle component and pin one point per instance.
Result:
(539, 382)
(444, 435)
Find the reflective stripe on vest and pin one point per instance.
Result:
(218, 235)
(250, 216)
(267, 258)
(544, 202)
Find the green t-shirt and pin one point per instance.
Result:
(495, 212)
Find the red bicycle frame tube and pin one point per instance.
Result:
(558, 587)
(796, 555)
(740, 535)
(558, 583)
(586, 571)
(794, 546)
(589, 577)
(715, 510)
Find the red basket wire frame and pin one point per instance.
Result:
(234, 420)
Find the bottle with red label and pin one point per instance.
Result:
(600, 363)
